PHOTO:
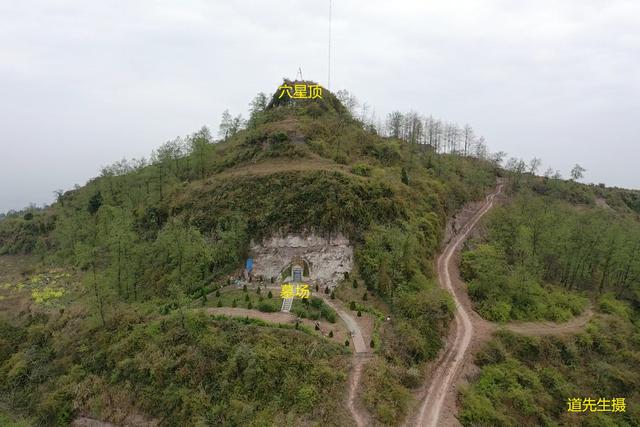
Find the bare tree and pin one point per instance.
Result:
(481, 150)
(467, 135)
(348, 100)
(577, 172)
(498, 158)
(226, 124)
(394, 124)
(59, 193)
(534, 165)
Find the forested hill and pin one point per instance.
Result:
(104, 295)
(97, 287)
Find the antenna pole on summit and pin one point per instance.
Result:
(329, 65)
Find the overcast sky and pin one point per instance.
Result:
(85, 83)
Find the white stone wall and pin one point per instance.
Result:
(329, 259)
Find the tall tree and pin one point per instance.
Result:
(226, 125)
(256, 107)
(467, 137)
(577, 172)
(394, 124)
(200, 143)
(534, 165)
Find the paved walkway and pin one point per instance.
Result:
(356, 333)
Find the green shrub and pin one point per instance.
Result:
(361, 169)
(267, 307)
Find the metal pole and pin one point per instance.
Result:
(329, 67)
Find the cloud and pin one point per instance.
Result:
(86, 83)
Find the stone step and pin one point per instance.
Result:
(286, 304)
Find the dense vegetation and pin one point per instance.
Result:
(152, 241)
(526, 381)
(542, 256)
(189, 371)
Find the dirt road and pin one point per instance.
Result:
(360, 357)
(451, 361)
(572, 326)
(359, 414)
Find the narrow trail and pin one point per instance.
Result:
(360, 356)
(451, 361)
(352, 325)
(572, 326)
(359, 415)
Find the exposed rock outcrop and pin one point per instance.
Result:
(329, 258)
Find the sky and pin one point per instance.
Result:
(84, 84)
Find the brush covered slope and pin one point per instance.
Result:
(123, 261)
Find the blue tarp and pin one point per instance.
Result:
(249, 265)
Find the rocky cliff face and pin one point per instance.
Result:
(329, 258)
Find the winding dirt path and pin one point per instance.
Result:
(470, 331)
(451, 361)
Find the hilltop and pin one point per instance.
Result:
(127, 300)
(145, 241)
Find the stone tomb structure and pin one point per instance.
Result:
(310, 259)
